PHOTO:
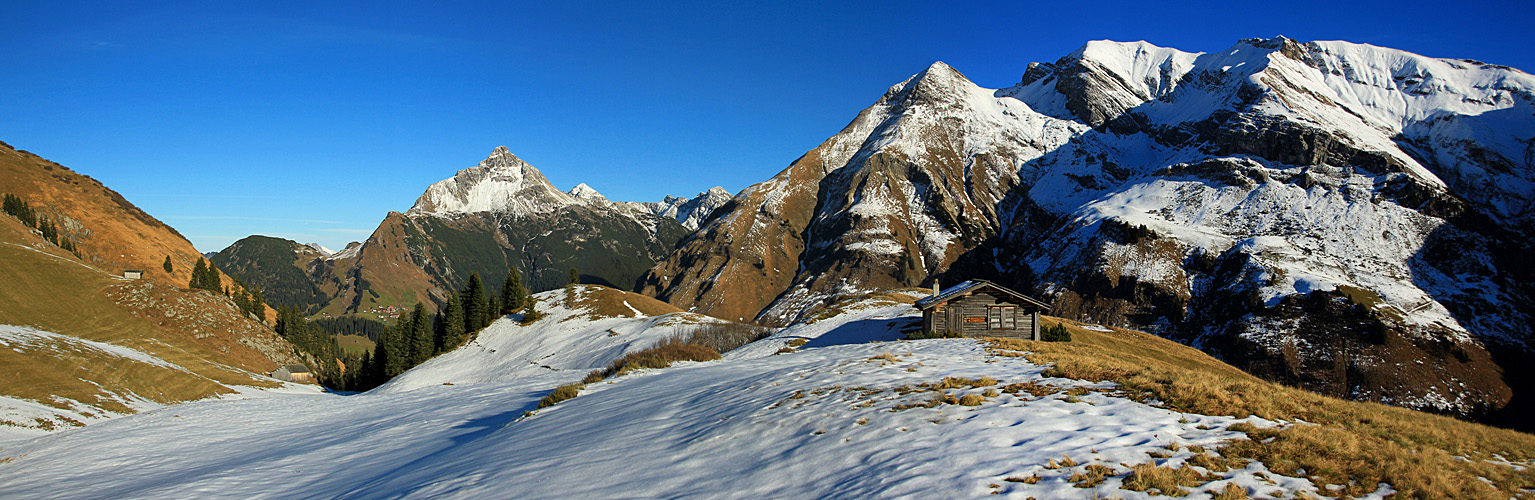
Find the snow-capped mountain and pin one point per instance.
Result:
(1325, 213)
(487, 219)
(501, 182)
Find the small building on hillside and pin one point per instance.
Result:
(980, 308)
(133, 274)
(294, 373)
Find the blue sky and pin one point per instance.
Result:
(312, 120)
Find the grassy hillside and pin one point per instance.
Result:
(50, 290)
(112, 233)
(1349, 444)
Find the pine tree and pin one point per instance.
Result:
(575, 277)
(50, 232)
(512, 292)
(394, 351)
(421, 345)
(452, 326)
(18, 208)
(242, 302)
(167, 265)
(476, 306)
(213, 279)
(530, 311)
(198, 272)
(258, 305)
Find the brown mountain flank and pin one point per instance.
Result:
(81, 307)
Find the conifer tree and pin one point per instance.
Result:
(50, 232)
(199, 271)
(452, 333)
(242, 302)
(476, 306)
(512, 292)
(575, 277)
(167, 265)
(421, 348)
(213, 278)
(258, 305)
(18, 208)
(530, 311)
(392, 345)
(380, 372)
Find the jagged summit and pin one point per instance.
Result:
(691, 212)
(1275, 175)
(501, 182)
(586, 193)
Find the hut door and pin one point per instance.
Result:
(956, 321)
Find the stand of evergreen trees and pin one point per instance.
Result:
(417, 337)
(206, 277)
(351, 325)
(18, 208)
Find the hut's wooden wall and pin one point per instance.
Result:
(970, 316)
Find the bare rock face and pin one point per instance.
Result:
(488, 219)
(1323, 213)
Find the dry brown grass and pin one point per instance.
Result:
(1230, 492)
(660, 355)
(53, 292)
(1353, 444)
(1165, 480)
(1090, 476)
(560, 393)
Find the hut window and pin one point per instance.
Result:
(1001, 318)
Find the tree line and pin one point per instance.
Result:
(206, 277)
(415, 338)
(18, 208)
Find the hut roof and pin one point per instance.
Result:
(965, 288)
(297, 369)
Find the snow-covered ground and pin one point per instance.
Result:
(566, 343)
(817, 423)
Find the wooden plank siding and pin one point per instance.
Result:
(984, 313)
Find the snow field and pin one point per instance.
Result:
(816, 423)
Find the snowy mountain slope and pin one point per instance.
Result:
(818, 423)
(691, 212)
(573, 337)
(1240, 201)
(501, 182)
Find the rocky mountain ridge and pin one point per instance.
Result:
(1326, 213)
(486, 219)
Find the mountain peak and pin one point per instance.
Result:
(501, 182)
(586, 193)
(502, 158)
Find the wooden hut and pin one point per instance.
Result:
(294, 373)
(980, 308)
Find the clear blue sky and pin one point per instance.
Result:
(311, 120)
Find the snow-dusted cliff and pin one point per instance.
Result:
(1242, 201)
